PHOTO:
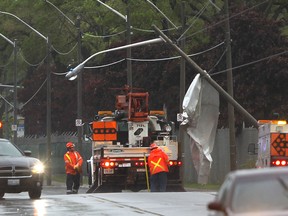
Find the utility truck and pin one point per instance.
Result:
(120, 143)
(272, 143)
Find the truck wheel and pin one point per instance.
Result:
(90, 179)
(1, 194)
(35, 193)
(99, 177)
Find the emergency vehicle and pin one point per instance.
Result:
(120, 145)
(272, 143)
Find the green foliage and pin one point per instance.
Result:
(256, 33)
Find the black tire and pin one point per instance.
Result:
(99, 177)
(35, 193)
(1, 194)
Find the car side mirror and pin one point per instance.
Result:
(216, 206)
(27, 153)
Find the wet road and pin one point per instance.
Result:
(54, 202)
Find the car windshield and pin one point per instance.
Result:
(260, 195)
(8, 149)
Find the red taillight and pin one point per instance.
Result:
(279, 162)
(139, 163)
(108, 164)
(175, 163)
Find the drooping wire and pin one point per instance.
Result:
(104, 36)
(24, 104)
(152, 31)
(7, 101)
(214, 66)
(194, 20)
(8, 62)
(30, 64)
(61, 53)
(176, 57)
(106, 65)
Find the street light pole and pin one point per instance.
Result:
(128, 39)
(128, 36)
(48, 120)
(77, 24)
(14, 44)
(72, 74)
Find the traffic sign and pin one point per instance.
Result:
(180, 117)
(78, 122)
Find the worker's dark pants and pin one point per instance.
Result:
(158, 182)
(73, 181)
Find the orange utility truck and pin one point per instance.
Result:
(272, 143)
(120, 145)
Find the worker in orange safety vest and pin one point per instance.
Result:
(73, 167)
(158, 163)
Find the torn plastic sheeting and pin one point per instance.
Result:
(201, 108)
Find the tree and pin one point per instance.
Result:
(255, 35)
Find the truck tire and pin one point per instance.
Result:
(99, 176)
(35, 193)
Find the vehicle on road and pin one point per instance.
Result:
(19, 172)
(120, 145)
(253, 192)
(272, 143)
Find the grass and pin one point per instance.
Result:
(195, 186)
(59, 178)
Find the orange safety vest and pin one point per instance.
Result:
(71, 159)
(158, 161)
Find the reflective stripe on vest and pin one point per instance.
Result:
(76, 155)
(157, 165)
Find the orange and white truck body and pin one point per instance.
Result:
(272, 144)
(120, 145)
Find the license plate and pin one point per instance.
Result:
(126, 165)
(12, 182)
(141, 170)
(108, 171)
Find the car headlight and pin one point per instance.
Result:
(38, 168)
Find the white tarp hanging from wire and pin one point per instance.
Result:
(201, 111)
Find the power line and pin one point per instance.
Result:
(221, 21)
(30, 64)
(35, 93)
(250, 63)
(62, 53)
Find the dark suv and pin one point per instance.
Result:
(19, 172)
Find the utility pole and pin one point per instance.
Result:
(196, 67)
(182, 90)
(79, 88)
(129, 65)
(15, 95)
(48, 121)
(231, 118)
